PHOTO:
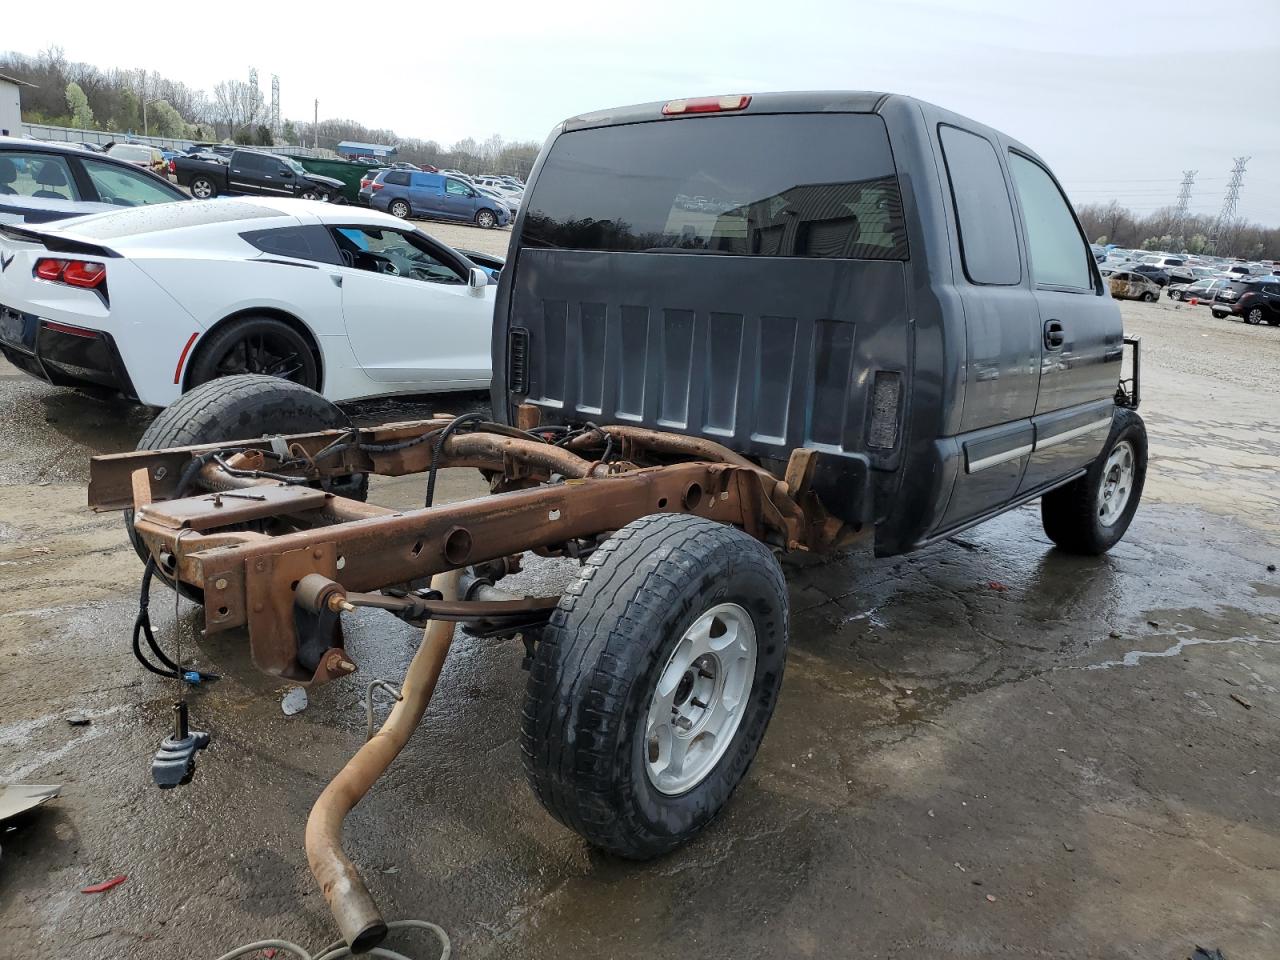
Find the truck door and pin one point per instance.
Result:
(1081, 332)
(253, 173)
(1002, 329)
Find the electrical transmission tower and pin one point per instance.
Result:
(275, 104)
(255, 93)
(1233, 193)
(1184, 202)
(1184, 194)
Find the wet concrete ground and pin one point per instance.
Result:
(1052, 769)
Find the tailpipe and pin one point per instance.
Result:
(353, 908)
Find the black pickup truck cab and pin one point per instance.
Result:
(902, 289)
(253, 173)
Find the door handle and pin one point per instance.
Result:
(1054, 334)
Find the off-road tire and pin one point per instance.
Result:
(486, 219)
(204, 365)
(597, 665)
(1070, 513)
(399, 208)
(209, 185)
(241, 408)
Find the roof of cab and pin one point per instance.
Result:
(812, 101)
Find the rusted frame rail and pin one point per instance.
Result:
(249, 576)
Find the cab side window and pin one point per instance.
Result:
(984, 213)
(1059, 255)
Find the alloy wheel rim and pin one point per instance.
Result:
(1117, 483)
(263, 354)
(201, 190)
(700, 699)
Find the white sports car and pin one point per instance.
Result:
(152, 301)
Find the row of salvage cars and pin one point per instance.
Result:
(154, 297)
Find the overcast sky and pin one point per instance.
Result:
(1119, 98)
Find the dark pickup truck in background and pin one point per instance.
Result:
(254, 173)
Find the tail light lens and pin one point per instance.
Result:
(377, 186)
(173, 166)
(365, 182)
(74, 273)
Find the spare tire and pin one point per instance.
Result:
(241, 408)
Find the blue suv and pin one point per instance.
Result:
(408, 193)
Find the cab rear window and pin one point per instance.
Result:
(782, 185)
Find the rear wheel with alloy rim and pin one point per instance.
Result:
(399, 209)
(486, 219)
(202, 188)
(1091, 514)
(261, 345)
(1253, 316)
(652, 686)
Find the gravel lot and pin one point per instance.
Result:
(1081, 764)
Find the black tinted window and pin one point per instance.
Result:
(251, 162)
(304, 243)
(398, 178)
(988, 241)
(791, 185)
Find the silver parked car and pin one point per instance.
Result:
(1202, 291)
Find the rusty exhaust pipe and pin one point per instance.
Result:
(358, 917)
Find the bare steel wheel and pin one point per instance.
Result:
(697, 705)
(1117, 483)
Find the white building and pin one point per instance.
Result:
(10, 106)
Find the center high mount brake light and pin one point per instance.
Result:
(737, 101)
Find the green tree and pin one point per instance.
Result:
(290, 133)
(243, 137)
(263, 137)
(128, 113)
(78, 104)
(165, 121)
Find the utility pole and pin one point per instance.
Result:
(1228, 212)
(315, 127)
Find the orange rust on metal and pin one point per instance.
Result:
(528, 417)
(270, 580)
(140, 481)
(224, 508)
(349, 900)
(800, 467)
(675, 444)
